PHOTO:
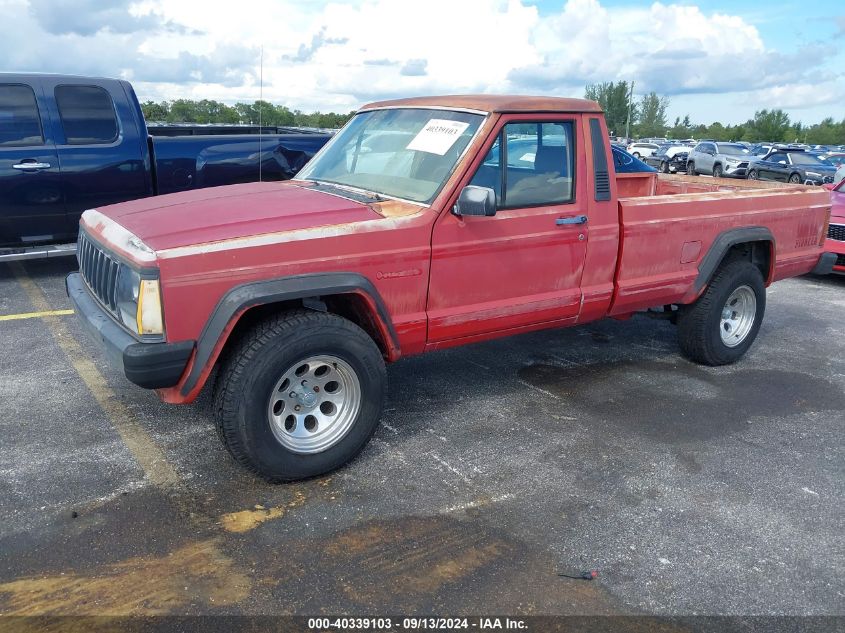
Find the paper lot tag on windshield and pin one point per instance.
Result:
(437, 136)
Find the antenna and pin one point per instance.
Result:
(260, 107)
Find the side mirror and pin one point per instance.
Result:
(475, 201)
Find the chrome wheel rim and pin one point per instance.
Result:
(738, 316)
(314, 404)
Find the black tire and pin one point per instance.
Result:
(691, 169)
(795, 178)
(250, 373)
(664, 166)
(636, 154)
(699, 324)
(753, 175)
(717, 171)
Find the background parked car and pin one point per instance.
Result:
(835, 242)
(836, 158)
(791, 165)
(625, 163)
(669, 158)
(639, 150)
(718, 159)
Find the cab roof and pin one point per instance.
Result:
(493, 103)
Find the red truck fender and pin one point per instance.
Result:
(764, 257)
(237, 301)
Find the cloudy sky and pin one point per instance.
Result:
(715, 59)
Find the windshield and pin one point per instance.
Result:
(732, 150)
(801, 158)
(405, 153)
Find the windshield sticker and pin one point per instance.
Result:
(437, 136)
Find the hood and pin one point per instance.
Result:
(221, 213)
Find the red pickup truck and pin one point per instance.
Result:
(425, 223)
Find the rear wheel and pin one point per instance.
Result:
(300, 395)
(636, 154)
(691, 169)
(717, 171)
(722, 324)
(795, 179)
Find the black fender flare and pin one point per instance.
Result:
(241, 298)
(723, 243)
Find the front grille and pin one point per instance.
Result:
(742, 165)
(836, 232)
(99, 270)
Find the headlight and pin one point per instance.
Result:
(139, 302)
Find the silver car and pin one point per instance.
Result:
(720, 160)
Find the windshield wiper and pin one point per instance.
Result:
(355, 191)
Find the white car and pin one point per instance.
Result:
(642, 149)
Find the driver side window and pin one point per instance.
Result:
(530, 164)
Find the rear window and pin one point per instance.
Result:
(19, 120)
(87, 114)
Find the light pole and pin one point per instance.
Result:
(628, 119)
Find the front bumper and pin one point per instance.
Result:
(148, 365)
(823, 180)
(735, 171)
(825, 264)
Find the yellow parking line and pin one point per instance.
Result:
(149, 456)
(35, 315)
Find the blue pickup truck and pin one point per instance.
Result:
(72, 143)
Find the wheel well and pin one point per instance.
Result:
(350, 306)
(758, 253)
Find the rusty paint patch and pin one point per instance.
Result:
(194, 574)
(247, 520)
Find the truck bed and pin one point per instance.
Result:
(669, 222)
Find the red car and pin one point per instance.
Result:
(836, 231)
(423, 224)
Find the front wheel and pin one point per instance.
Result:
(717, 171)
(795, 179)
(722, 324)
(664, 167)
(753, 175)
(691, 169)
(636, 154)
(300, 395)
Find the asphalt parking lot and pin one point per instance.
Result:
(498, 466)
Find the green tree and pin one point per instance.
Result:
(155, 111)
(613, 97)
(769, 125)
(183, 111)
(652, 115)
(828, 132)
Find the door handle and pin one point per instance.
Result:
(575, 219)
(31, 166)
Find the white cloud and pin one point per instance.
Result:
(338, 55)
